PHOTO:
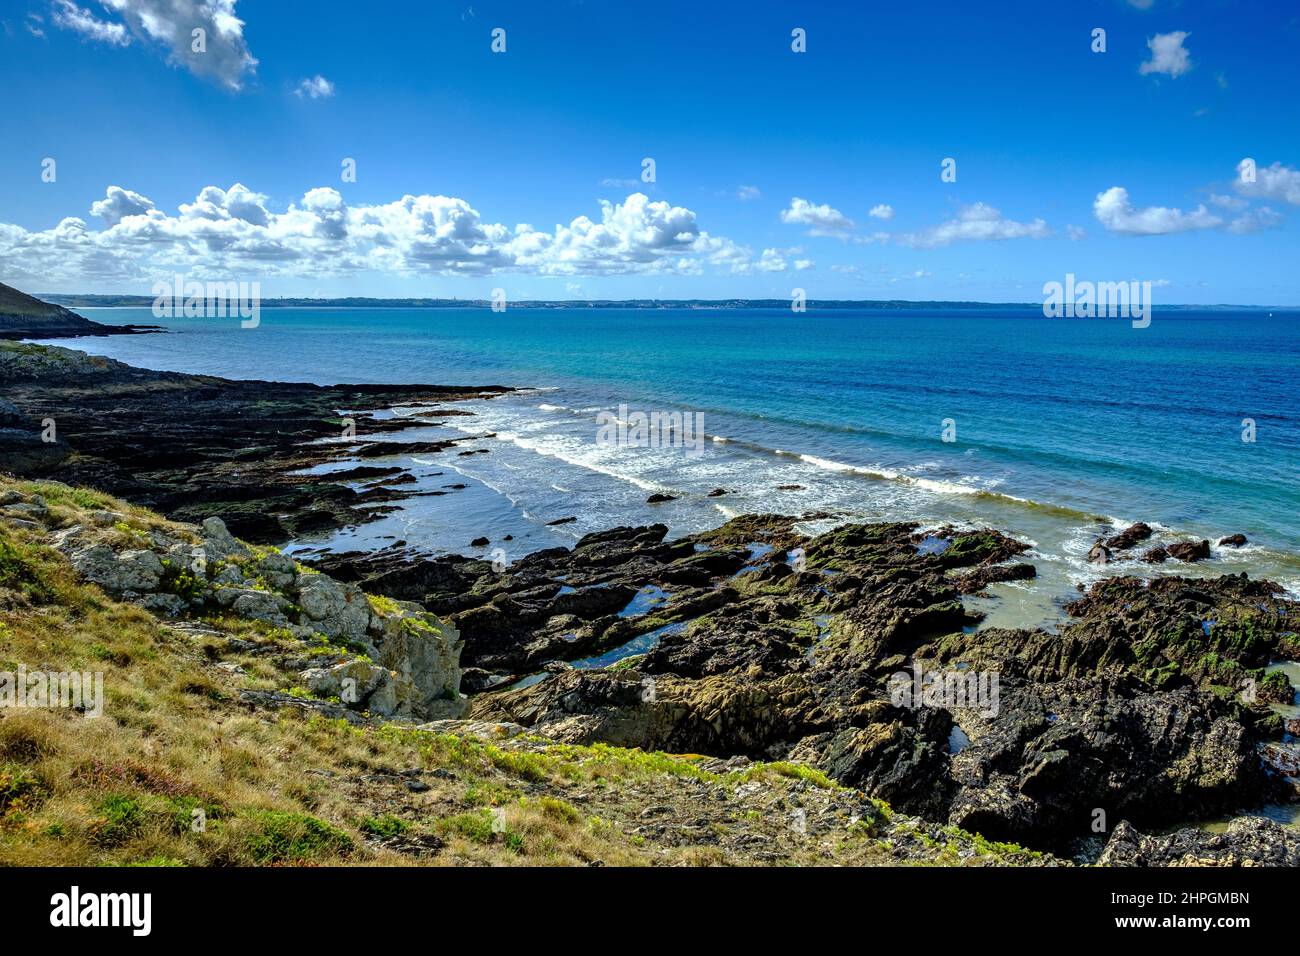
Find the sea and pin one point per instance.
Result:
(1057, 431)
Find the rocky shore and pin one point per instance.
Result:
(194, 446)
(25, 317)
(1149, 705)
(1147, 709)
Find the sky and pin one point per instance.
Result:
(1167, 150)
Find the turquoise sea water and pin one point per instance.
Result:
(1064, 427)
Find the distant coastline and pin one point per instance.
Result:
(93, 301)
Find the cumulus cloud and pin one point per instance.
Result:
(882, 211)
(821, 220)
(315, 88)
(1117, 214)
(1277, 182)
(69, 16)
(1168, 55)
(218, 53)
(978, 222)
(234, 233)
(118, 203)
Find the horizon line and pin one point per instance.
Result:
(734, 301)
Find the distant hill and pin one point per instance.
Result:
(25, 317)
(91, 300)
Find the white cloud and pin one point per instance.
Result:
(821, 220)
(35, 24)
(1255, 220)
(223, 56)
(119, 203)
(1114, 211)
(882, 211)
(234, 233)
(315, 88)
(1168, 55)
(746, 193)
(1075, 233)
(979, 222)
(1227, 202)
(69, 16)
(1271, 182)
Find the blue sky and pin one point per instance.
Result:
(1039, 125)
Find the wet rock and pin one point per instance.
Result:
(479, 543)
(1247, 841)
(717, 493)
(1233, 541)
(1158, 555)
(1129, 537)
(1099, 553)
(658, 498)
(976, 581)
(1190, 550)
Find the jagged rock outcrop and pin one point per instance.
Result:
(754, 640)
(1247, 841)
(393, 658)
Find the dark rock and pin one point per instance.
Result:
(717, 493)
(1233, 541)
(24, 317)
(976, 581)
(238, 452)
(1190, 550)
(479, 543)
(561, 521)
(1158, 555)
(656, 498)
(1130, 536)
(1247, 841)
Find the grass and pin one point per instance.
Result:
(176, 772)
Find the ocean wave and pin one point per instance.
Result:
(578, 461)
